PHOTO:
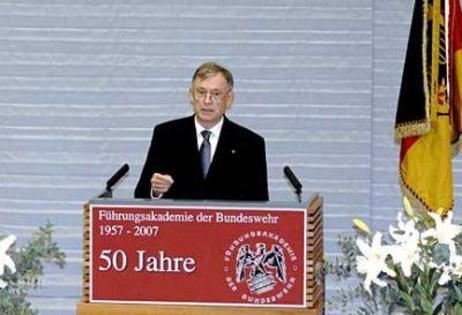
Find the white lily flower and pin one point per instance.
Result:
(455, 261)
(454, 267)
(407, 254)
(445, 277)
(5, 260)
(372, 262)
(404, 231)
(443, 231)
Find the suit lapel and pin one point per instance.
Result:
(224, 148)
(191, 148)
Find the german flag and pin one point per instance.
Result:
(428, 118)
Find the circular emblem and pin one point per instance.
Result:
(260, 267)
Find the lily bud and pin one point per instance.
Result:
(408, 207)
(360, 225)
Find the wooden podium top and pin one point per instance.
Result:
(214, 203)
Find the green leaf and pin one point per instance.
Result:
(427, 306)
(424, 299)
(454, 288)
(457, 309)
(434, 286)
(408, 300)
(420, 288)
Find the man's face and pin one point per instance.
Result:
(210, 99)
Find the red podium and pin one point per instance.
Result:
(179, 257)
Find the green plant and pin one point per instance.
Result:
(27, 269)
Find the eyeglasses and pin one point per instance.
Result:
(215, 96)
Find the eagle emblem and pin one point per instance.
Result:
(261, 269)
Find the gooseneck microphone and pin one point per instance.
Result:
(294, 182)
(121, 172)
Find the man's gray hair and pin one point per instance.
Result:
(209, 69)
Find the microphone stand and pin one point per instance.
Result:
(294, 183)
(298, 193)
(113, 181)
(107, 193)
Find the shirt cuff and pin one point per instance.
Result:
(155, 197)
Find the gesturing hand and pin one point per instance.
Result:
(160, 183)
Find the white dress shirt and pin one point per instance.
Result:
(214, 136)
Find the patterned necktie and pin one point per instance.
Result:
(205, 152)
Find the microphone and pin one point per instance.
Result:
(117, 176)
(294, 182)
(107, 193)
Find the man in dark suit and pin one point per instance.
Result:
(205, 156)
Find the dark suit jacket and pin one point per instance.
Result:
(237, 172)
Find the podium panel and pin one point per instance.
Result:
(179, 257)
